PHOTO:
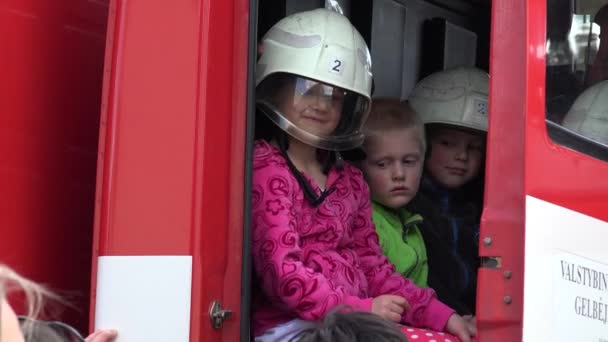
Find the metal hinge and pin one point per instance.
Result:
(218, 315)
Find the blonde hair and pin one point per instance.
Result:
(35, 297)
(391, 114)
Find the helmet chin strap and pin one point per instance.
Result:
(309, 193)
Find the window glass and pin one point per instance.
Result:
(577, 75)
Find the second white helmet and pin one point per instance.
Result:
(456, 97)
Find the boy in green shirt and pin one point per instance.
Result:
(394, 148)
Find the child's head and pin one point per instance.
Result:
(314, 79)
(10, 281)
(355, 327)
(394, 147)
(455, 155)
(453, 104)
(13, 329)
(10, 328)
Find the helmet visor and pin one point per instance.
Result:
(321, 115)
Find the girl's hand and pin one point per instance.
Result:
(463, 329)
(390, 307)
(106, 335)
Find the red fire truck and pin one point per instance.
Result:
(126, 137)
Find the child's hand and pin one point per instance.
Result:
(460, 327)
(390, 307)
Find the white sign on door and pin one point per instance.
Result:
(580, 299)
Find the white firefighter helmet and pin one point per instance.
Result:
(456, 97)
(588, 116)
(316, 54)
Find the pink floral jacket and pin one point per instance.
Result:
(309, 260)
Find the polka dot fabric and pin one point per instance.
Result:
(423, 335)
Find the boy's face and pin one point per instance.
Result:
(314, 107)
(393, 166)
(456, 156)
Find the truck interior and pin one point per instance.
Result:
(576, 60)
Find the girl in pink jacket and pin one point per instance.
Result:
(314, 244)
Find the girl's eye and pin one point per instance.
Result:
(338, 95)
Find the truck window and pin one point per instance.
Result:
(577, 75)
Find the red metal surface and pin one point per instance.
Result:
(52, 57)
(504, 208)
(220, 184)
(538, 168)
(148, 128)
(171, 160)
(554, 173)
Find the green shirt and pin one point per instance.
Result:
(402, 242)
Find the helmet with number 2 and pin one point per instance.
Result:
(456, 97)
(313, 62)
